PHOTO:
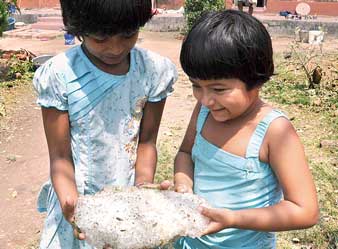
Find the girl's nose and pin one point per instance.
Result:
(116, 46)
(207, 99)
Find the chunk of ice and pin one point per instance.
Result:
(132, 218)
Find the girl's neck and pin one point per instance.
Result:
(118, 69)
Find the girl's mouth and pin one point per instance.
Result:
(217, 110)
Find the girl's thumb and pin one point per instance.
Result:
(211, 213)
(205, 211)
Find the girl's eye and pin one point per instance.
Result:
(219, 90)
(196, 86)
(99, 39)
(129, 34)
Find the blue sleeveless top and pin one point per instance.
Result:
(229, 181)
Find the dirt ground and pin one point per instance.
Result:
(23, 151)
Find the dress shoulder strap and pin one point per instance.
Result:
(257, 138)
(202, 116)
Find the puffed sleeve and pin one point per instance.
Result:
(162, 78)
(51, 87)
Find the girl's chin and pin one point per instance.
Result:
(219, 117)
(111, 61)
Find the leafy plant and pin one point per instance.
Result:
(3, 17)
(18, 68)
(195, 8)
(5, 13)
(304, 57)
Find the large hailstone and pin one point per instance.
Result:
(132, 218)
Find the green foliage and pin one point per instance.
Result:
(195, 8)
(290, 87)
(3, 16)
(20, 67)
(4, 13)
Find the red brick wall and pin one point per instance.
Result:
(170, 4)
(38, 3)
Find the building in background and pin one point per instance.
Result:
(318, 7)
(38, 3)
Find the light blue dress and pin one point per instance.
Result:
(105, 112)
(233, 182)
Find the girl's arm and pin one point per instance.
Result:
(56, 124)
(298, 209)
(184, 167)
(146, 151)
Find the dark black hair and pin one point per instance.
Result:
(104, 17)
(228, 44)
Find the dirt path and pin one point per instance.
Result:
(23, 151)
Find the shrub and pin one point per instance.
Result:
(194, 8)
(3, 17)
(6, 8)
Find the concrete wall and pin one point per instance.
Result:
(167, 22)
(287, 27)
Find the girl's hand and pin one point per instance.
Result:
(165, 185)
(168, 185)
(68, 209)
(219, 219)
(182, 188)
(178, 187)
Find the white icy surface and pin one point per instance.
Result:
(132, 218)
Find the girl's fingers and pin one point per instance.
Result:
(219, 218)
(79, 235)
(182, 188)
(214, 216)
(149, 186)
(205, 211)
(82, 236)
(212, 228)
(166, 185)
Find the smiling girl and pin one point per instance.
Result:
(240, 153)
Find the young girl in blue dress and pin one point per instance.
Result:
(102, 103)
(240, 153)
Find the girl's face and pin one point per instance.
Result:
(227, 99)
(110, 50)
